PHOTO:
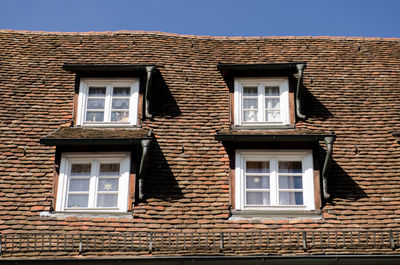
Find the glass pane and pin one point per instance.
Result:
(257, 182)
(257, 166)
(250, 104)
(79, 185)
(121, 91)
(257, 198)
(290, 182)
(77, 200)
(95, 103)
(80, 169)
(97, 91)
(95, 116)
(290, 198)
(120, 103)
(122, 116)
(290, 167)
(108, 184)
(250, 91)
(107, 200)
(272, 90)
(273, 116)
(272, 103)
(250, 115)
(109, 169)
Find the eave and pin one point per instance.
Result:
(106, 67)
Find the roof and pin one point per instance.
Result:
(140, 32)
(351, 87)
(92, 136)
(272, 135)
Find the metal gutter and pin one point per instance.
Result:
(261, 66)
(329, 140)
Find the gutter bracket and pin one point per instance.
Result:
(300, 69)
(146, 144)
(329, 140)
(146, 103)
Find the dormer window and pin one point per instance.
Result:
(261, 101)
(108, 102)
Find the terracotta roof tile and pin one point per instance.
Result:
(351, 87)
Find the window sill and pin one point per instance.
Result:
(238, 215)
(125, 215)
(261, 127)
(108, 125)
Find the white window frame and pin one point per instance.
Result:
(305, 156)
(123, 186)
(109, 83)
(283, 84)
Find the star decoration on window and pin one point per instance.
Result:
(108, 186)
(256, 180)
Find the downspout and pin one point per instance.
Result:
(300, 69)
(146, 144)
(149, 71)
(328, 158)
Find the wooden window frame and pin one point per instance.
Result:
(124, 158)
(285, 102)
(109, 83)
(310, 184)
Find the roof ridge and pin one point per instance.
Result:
(134, 32)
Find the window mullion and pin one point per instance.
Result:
(261, 101)
(243, 182)
(107, 105)
(274, 182)
(93, 180)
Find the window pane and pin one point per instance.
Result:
(257, 182)
(290, 182)
(272, 90)
(79, 185)
(107, 200)
(95, 103)
(120, 103)
(250, 104)
(257, 166)
(121, 116)
(272, 116)
(95, 116)
(257, 198)
(290, 167)
(290, 198)
(109, 169)
(250, 115)
(250, 91)
(121, 91)
(77, 200)
(272, 103)
(80, 169)
(97, 91)
(108, 184)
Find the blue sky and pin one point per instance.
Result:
(365, 18)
